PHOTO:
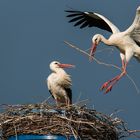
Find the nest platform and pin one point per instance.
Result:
(43, 119)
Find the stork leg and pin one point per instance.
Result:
(125, 57)
(109, 84)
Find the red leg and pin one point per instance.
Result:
(115, 81)
(106, 84)
(109, 84)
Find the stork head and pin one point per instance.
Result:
(95, 41)
(57, 65)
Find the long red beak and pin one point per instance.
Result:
(66, 66)
(92, 51)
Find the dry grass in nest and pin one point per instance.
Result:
(79, 121)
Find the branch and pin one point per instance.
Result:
(102, 63)
(82, 51)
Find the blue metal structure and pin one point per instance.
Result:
(40, 137)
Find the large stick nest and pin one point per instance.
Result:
(82, 123)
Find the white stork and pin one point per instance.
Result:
(59, 83)
(128, 41)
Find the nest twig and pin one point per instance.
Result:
(102, 63)
(80, 122)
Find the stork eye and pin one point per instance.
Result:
(55, 63)
(95, 39)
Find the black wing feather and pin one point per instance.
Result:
(73, 15)
(84, 24)
(51, 93)
(69, 94)
(76, 18)
(137, 42)
(79, 22)
(88, 19)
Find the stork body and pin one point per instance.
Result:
(59, 83)
(128, 41)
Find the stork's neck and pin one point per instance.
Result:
(104, 40)
(60, 71)
(63, 77)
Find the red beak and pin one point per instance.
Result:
(92, 51)
(66, 65)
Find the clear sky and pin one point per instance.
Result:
(31, 36)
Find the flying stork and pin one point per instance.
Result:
(128, 41)
(59, 83)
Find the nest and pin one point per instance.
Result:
(43, 119)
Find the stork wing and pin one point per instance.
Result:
(134, 29)
(49, 87)
(69, 94)
(51, 93)
(91, 19)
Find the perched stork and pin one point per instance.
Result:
(128, 41)
(59, 83)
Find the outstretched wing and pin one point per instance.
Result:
(134, 29)
(90, 19)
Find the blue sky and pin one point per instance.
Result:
(31, 36)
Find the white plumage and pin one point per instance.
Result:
(128, 41)
(59, 83)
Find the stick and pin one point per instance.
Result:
(102, 63)
(82, 51)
